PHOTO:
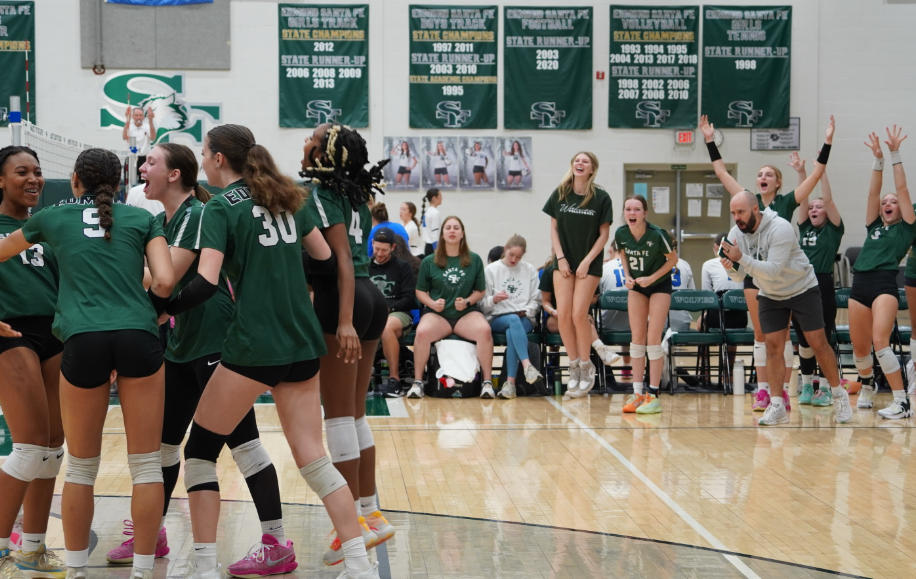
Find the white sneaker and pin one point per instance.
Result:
(573, 383)
(77, 572)
(141, 573)
(532, 374)
(607, 355)
(486, 391)
(897, 409)
(774, 415)
(911, 378)
(866, 397)
(372, 573)
(416, 391)
(507, 392)
(842, 411)
(587, 372)
(214, 574)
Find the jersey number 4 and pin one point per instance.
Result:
(356, 232)
(286, 232)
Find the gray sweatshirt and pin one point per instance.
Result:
(773, 257)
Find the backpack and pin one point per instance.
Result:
(523, 388)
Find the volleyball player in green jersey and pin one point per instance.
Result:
(30, 366)
(873, 300)
(769, 181)
(106, 322)
(351, 310)
(647, 259)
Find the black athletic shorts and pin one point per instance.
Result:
(90, 357)
(440, 171)
(479, 169)
(270, 376)
(909, 281)
(370, 309)
(804, 308)
(451, 321)
(515, 173)
(663, 287)
(403, 171)
(749, 283)
(867, 286)
(36, 336)
(828, 306)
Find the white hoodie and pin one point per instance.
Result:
(520, 282)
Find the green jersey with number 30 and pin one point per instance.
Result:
(646, 255)
(327, 208)
(29, 280)
(101, 282)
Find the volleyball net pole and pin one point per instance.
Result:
(15, 119)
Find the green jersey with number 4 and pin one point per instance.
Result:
(29, 280)
(647, 254)
(885, 246)
(820, 244)
(101, 282)
(273, 322)
(327, 208)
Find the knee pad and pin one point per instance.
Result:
(322, 477)
(200, 455)
(364, 434)
(655, 352)
(145, 468)
(888, 361)
(637, 350)
(82, 471)
(760, 354)
(26, 461)
(864, 363)
(805, 351)
(251, 457)
(51, 468)
(171, 454)
(343, 443)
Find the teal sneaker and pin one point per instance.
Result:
(650, 406)
(807, 392)
(824, 397)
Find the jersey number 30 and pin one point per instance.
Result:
(287, 232)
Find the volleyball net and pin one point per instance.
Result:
(56, 152)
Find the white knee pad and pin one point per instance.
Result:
(51, 468)
(364, 434)
(251, 457)
(637, 350)
(760, 354)
(805, 351)
(82, 471)
(26, 462)
(888, 360)
(322, 477)
(343, 443)
(171, 454)
(198, 471)
(655, 352)
(789, 354)
(864, 363)
(145, 468)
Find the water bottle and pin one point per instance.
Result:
(385, 373)
(557, 387)
(738, 381)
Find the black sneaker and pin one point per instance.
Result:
(390, 388)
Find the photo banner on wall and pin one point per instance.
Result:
(17, 58)
(654, 61)
(453, 67)
(548, 68)
(514, 163)
(747, 66)
(324, 65)
(440, 162)
(478, 162)
(403, 170)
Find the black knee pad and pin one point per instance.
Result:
(246, 431)
(200, 454)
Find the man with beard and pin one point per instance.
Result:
(765, 246)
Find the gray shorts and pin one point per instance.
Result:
(806, 309)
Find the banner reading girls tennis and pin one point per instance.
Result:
(453, 67)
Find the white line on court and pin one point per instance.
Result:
(396, 409)
(694, 524)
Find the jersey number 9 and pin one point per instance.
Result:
(91, 217)
(287, 233)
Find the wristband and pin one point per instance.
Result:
(559, 258)
(878, 164)
(824, 154)
(159, 303)
(895, 158)
(713, 152)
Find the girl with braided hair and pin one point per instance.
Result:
(352, 312)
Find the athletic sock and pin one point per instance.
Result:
(765, 386)
(785, 387)
(358, 508)
(205, 555)
(4, 543)
(355, 557)
(275, 529)
(597, 345)
(837, 390)
(368, 505)
(32, 542)
(807, 380)
(77, 558)
(867, 381)
(144, 561)
(900, 395)
(265, 492)
(637, 388)
(653, 390)
(776, 401)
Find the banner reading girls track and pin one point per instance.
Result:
(548, 68)
(746, 66)
(324, 65)
(453, 67)
(17, 58)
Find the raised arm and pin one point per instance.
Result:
(718, 164)
(820, 165)
(833, 212)
(127, 122)
(798, 164)
(873, 207)
(903, 194)
(152, 127)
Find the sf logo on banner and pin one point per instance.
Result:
(652, 113)
(322, 111)
(745, 112)
(547, 114)
(452, 113)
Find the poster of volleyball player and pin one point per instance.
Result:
(440, 162)
(403, 172)
(478, 162)
(513, 163)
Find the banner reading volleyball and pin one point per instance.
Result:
(548, 68)
(747, 65)
(453, 67)
(17, 58)
(653, 62)
(324, 65)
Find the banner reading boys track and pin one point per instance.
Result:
(746, 66)
(324, 64)
(548, 68)
(653, 62)
(17, 58)
(453, 67)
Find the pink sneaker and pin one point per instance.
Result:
(785, 399)
(761, 400)
(123, 554)
(270, 558)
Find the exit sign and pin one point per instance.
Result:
(683, 137)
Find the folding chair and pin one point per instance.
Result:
(734, 300)
(696, 301)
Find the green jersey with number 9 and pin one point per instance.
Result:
(646, 255)
(273, 322)
(32, 273)
(101, 282)
(327, 208)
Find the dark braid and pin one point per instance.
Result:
(9, 151)
(100, 173)
(347, 176)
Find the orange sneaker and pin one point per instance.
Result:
(634, 402)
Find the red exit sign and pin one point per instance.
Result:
(683, 137)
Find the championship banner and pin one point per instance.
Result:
(453, 67)
(17, 58)
(747, 65)
(548, 68)
(653, 62)
(324, 65)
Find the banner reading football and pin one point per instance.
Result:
(17, 58)
(548, 68)
(746, 66)
(653, 65)
(453, 67)
(324, 65)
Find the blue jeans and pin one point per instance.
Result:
(515, 329)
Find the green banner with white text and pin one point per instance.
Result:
(324, 64)
(548, 68)
(747, 65)
(17, 58)
(453, 67)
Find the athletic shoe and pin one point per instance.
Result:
(268, 558)
(607, 355)
(507, 392)
(772, 416)
(842, 411)
(573, 383)
(79, 573)
(651, 405)
(866, 397)
(911, 378)
(532, 374)
(41, 562)
(416, 391)
(372, 573)
(761, 401)
(389, 389)
(334, 554)
(486, 390)
(141, 573)
(785, 400)
(897, 409)
(214, 574)
(824, 397)
(587, 372)
(123, 554)
(626, 374)
(379, 525)
(806, 394)
(633, 402)
(8, 567)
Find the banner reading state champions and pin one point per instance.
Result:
(548, 68)
(324, 65)
(17, 58)
(453, 67)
